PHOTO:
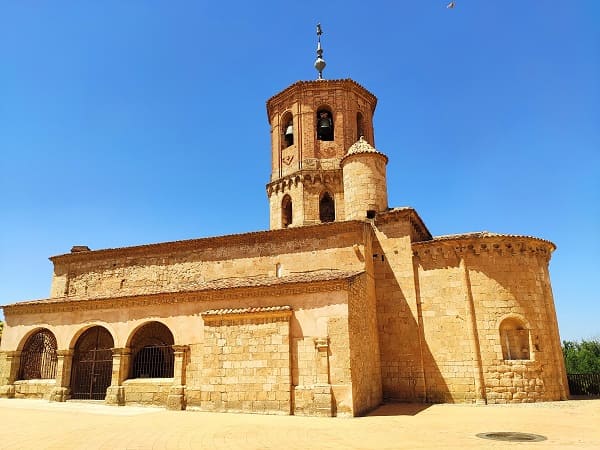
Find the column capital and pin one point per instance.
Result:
(64, 353)
(120, 351)
(180, 348)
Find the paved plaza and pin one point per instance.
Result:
(38, 424)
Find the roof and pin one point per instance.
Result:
(216, 285)
(213, 242)
(483, 235)
(362, 147)
(320, 83)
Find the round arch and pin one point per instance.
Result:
(152, 355)
(81, 331)
(38, 355)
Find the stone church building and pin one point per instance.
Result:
(343, 304)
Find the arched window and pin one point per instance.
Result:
(324, 125)
(287, 130)
(360, 126)
(326, 208)
(286, 211)
(38, 359)
(514, 338)
(152, 352)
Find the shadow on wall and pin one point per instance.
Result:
(408, 369)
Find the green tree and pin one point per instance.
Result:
(582, 357)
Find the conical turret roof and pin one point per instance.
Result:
(362, 146)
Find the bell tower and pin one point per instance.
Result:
(313, 124)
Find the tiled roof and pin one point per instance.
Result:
(362, 146)
(260, 309)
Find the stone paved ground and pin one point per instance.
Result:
(37, 424)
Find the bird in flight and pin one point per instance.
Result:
(451, 5)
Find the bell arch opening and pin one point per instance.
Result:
(325, 131)
(286, 211)
(360, 126)
(326, 207)
(39, 357)
(152, 352)
(287, 130)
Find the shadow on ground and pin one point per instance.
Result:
(399, 409)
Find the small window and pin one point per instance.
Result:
(514, 338)
(324, 125)
(286, 211)
(287, 130)
(326, 208)
(39, 358)
(371, 213)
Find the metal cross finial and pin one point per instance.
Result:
(320, 62)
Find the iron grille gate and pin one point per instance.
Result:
(92, 365)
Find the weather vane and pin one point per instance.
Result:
(320, 62)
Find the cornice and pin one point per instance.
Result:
(66, 304)
(483, 243)
(273, 313)
(304, 86)
(405, 213)
(303, 177)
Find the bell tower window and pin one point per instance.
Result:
(287, 130)
(286, 211)
(324, 125)
(360, 126)
(326, 208)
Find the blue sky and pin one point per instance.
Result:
(130, 122)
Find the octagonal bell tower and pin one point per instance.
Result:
(313, 124)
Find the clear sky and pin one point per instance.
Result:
(131, 122)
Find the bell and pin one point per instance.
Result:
(325, 125)
(289, 131)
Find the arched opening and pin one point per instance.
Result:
(286, 211)
(287, 130)
(326, 208)
(92, 364)
(514, 338)
(325, 130)
(38, 358)
(152, 352)
(360, 126)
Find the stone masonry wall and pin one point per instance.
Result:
(138, 272)
(246, 364)
(509, 279)
(397, 313)
(467, 288)
(153, 392)
(448, 349)
(364, 345)
(365, 185)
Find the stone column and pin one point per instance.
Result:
(61, 390)
(115, 394)
(13, 364)
(323, 396)
(176, 398)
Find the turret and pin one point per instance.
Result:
(365, 184)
